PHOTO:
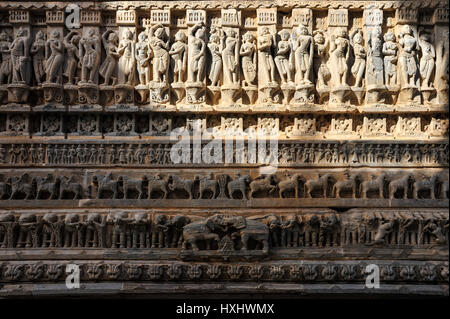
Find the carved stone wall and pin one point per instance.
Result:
(127, 137)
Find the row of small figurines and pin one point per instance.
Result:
(297, 59)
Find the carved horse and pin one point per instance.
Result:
(401, 183)
(349, 184)
(106, 183)
(43, 186)
(68, 186)
(317, 184)
(239, 184)
(156, 183)
(290, 184)
(375, 184)
(207, 184)
(19, 187)
(425, 185)
(263, 184)
(130, 184)
(179, 183)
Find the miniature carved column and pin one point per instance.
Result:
(338, 63)
(303, 53)
(124, 88)
(406, 33)
(441, 41)
(89, 53)
(20, 57)
(267, 27)
(196, 83)
(373, 20)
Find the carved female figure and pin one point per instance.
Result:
(390, 59)
(20, 56)
(247, 52)
(304, 52)
(178, 52)
(37, 50)
(427, 60)
(160, 53)
(266, 42)
(6, 64)
(374, 58)
(71, 41)
(230, 58)
(143, 53)
(359, 65)
(320, 52)
(215, 48)
(284, 57)
(109, 39)
(196, 49)
(89, 50)
(54, 54)
(407, 56)
(126, 58)
(339, 55)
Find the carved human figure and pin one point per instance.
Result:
(89, 49)
(54, 55)
(304, 53)
(160, 53)
(248, 54)
(178, 53)
(407, 56)
(230, 56)
(321, 44)
(374, 74)
(215, 48)
(143, 53)
(390, 59)
(284, 57)
(20, 53)
(442, 61)
(359, 65)
(196, 49)
(266, 41)
(5, 59)
(427, 60)
(37, 50)
(339, 56)
(109, 40)
(71, 43)
(126, 54)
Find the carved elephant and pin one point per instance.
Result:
(250, 229)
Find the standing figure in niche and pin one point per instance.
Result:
(160, 53)
(5, 54)
(284, 57)
(427, 60)
(390, 59)
(54, 54)
(71, 41)
(375, 58)
(143, 53)
(320, 52)
(196, 49)
(359, 65)
(90, 51)
(339, 55)
(304, 53)
(126, 58)
(20, 55)
(37, 50)
(407, 56)
(248, 54)
(178, 52)
(215, 48)
(266, 42)
(109, 40)
(230, 56)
